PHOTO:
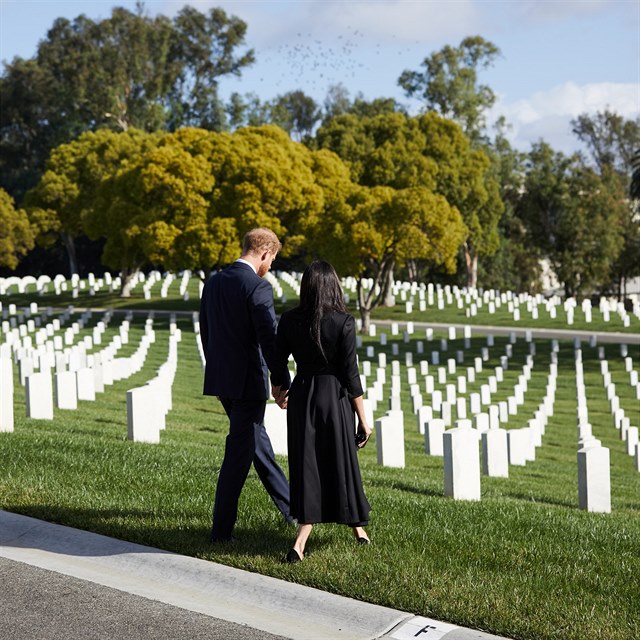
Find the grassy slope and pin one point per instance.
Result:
(524, 562)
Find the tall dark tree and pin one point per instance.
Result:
(610, 139)
(204, 50)
(611, 142)
(634, 186)
(516, 263)
(296, 112)
(128, 70)
(574, 217)
(449, 83)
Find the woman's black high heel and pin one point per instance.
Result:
(292, 557)
(364, 541)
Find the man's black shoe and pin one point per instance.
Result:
(218, 540)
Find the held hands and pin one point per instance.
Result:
(280, 395)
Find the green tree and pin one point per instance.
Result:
(204, 50)
(626, 265)
(375, 229)
(127, 70)
(610, 139)
(573, 218)
(153, 210)
(16, 234)
(337, 102)
(30, 125)
(449, 83)
(69, 187)
(516, 263)
(429, 151)
(296, 113)
(263, 178)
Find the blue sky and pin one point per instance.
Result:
(558, 58)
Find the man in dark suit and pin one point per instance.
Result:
(238, 329)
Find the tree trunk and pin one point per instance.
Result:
(412, 267)
(70, 246)
(127, 282)
(369, 301)
(389, 298)
(365, 317)
(471, 264)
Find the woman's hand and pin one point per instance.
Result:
(362, 434)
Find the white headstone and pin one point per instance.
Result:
(39, 396)
(594, 480)
(6, 395)
(495, 453)
(481, 422)
(390, 439)
(632, 440)
(85, 384)
(275, 423)
(461, 464)
(434, 430)
(143, 423)
(518, 441)
(65, 390)
(423, 415)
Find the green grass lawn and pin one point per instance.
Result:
(523, 562)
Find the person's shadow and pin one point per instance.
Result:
(106, 532)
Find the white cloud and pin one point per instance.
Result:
(547, 114)
(553, 10)
(275, 22)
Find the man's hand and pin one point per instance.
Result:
(280, 395)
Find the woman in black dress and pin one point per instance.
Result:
(324, 474)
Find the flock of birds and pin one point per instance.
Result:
(314, 65)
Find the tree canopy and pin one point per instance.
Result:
(449, 82)
(398, 151)
(127, 70)
(16, 234)
(573, 217)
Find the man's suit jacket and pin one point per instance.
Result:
(238, 331)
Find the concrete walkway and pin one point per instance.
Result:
(65, 583)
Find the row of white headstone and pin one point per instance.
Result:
(427, 295)
(594, 474)
(629, 432)
(91, 284)
(60, 284)
(459, 446)
(149, 404)
(472, 300)
(78, 375)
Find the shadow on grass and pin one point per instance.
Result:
(141, 530)
(402, 486)
(528, 497)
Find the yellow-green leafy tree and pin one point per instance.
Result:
(431, 152)
(367, 231)
(186, 203)
(16, 233)
(263, 178)
(67, 193)
(464, 177)
(154, 210)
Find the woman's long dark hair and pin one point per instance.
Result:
(320, 294)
